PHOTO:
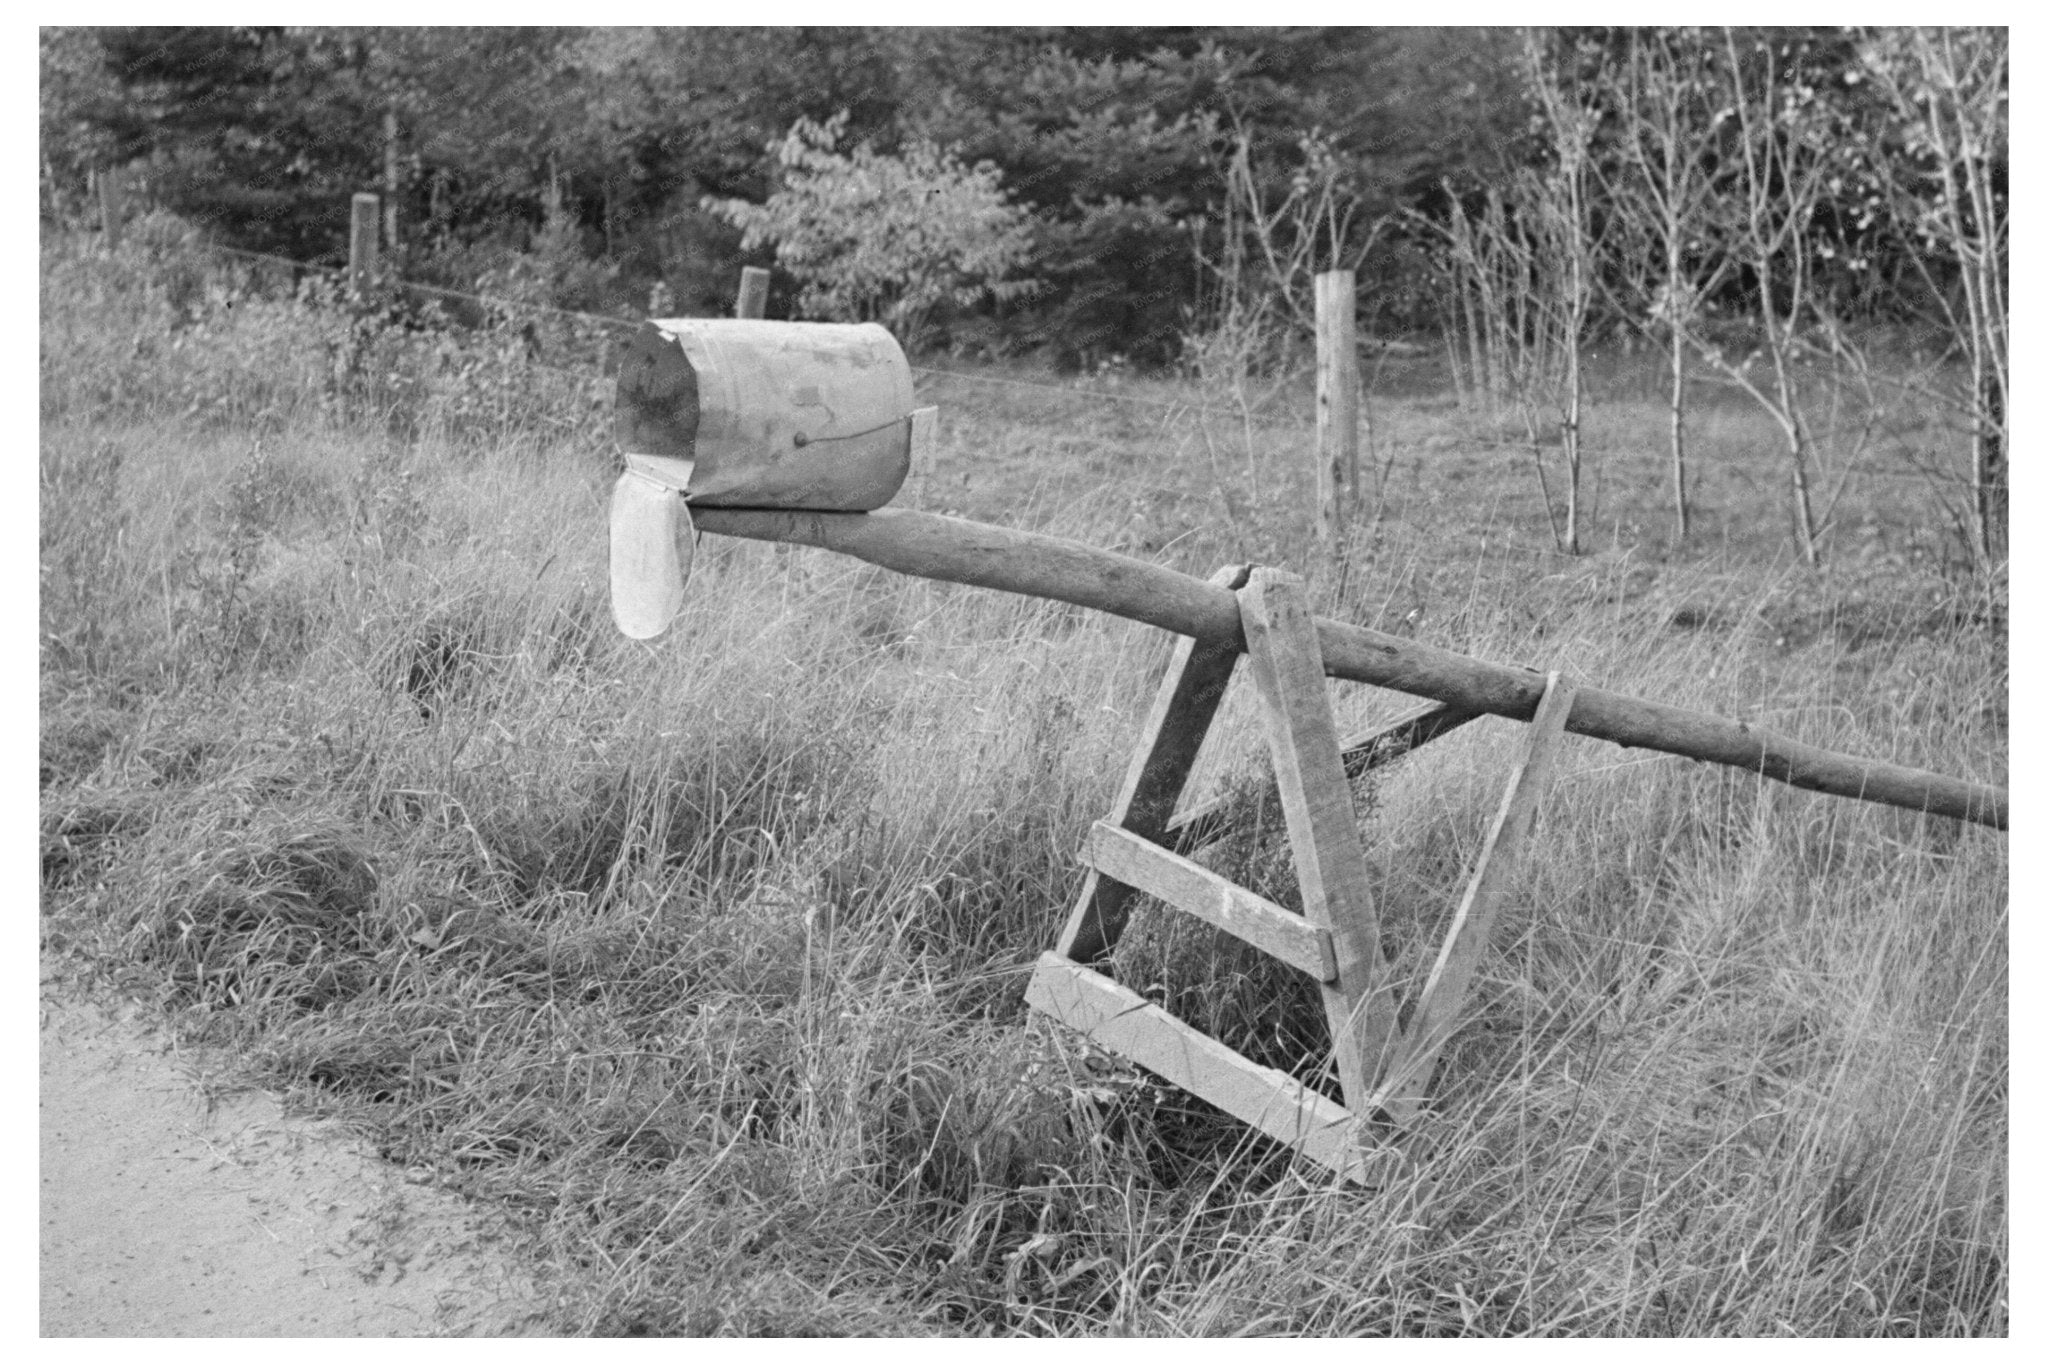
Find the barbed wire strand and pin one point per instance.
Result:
(1065, 390)
(1172, 406)
(441, 290)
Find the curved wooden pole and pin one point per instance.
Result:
(952, 550)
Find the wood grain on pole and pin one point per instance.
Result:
(753, 292)
(927, 546)
(110, 207)
(1336, 400)
(362, 242)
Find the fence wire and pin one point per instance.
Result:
(1172, 407)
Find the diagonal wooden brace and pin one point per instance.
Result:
(1436, 1012)
(1363, 753)
(1189, 696)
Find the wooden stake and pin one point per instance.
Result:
(362, 243)
(110, 207)
(391, 177)
(753, 292)
(1336, 402)
(1322, 826)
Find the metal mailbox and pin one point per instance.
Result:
(728, 412)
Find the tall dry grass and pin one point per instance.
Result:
(704, 959)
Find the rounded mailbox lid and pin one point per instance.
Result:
(800, 415)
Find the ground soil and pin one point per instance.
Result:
(164, 1214)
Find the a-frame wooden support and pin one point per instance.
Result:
(1382, 1069)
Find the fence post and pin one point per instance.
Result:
(391, 178)
(753, 292)
(110, 207)
(362, 243)
(1336, 400)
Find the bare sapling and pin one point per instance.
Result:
(1256, 312)
(1947, 91)
(1561, 201)
(1663, 181)
(1314, 227)
(1521, 271)
(1510, 334)
(1779, 174)
(1242, 347)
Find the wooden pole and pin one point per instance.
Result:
(362, 243)
(753, 292)
(953, 550)
(110, 207)
(1336, 401)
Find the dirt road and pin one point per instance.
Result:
(158, 1218)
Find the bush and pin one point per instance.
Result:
(891, 239)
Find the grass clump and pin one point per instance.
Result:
(278, 920)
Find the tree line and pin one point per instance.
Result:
(1748, 200)
(1106, 139)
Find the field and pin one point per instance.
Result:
(704, 958)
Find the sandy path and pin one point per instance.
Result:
(160, 1219)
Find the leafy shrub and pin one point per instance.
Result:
(895, 239)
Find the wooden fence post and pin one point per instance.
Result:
(1336, 401)
(362, 243)
(110, 207)
(753, 292)
(391, 178)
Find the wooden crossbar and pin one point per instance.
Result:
(1132, 1026)
(1215, 900)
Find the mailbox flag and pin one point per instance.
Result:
(652, 545)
